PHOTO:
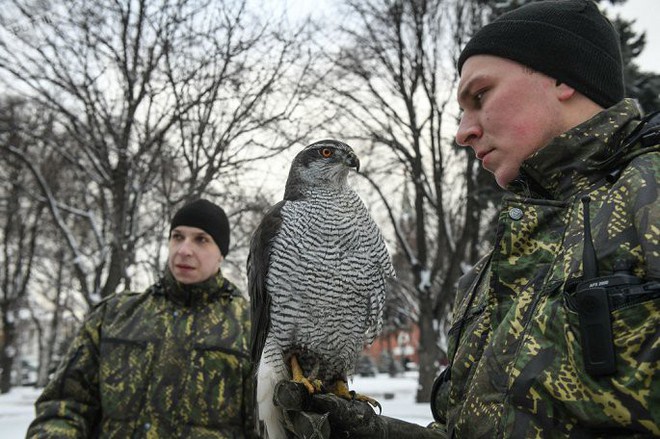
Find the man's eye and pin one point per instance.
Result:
(479, 96)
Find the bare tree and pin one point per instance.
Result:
(151, 102)
(49, 306)
(394, 82)
(20, 218)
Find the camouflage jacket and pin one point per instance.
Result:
(172, 362)
(517, 368)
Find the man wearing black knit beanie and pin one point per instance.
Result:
(170, 362)
(555, 332)
(540, 345)
(558, 62)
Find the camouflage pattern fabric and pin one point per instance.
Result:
(172, 362)
(518, 369)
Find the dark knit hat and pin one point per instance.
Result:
(206, 216)
(568, 40)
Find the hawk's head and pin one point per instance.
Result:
(324, 163)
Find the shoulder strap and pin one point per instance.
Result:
(647, 132)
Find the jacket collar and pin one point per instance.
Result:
(212, 289)
(575, 160)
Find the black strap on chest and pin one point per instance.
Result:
(646, 133)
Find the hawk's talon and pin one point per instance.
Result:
(312, 386)
(318, 386)
(309, 386)
(340, 388)
(380, 407)
(369, 400)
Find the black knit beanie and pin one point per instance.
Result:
(568, 40)
(206, 216)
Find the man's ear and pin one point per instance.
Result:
(564, 91)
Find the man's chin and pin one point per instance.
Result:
(185, 277)
(503, 179)
(504, 172)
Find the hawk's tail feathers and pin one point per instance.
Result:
(267, 377)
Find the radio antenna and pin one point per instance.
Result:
(589, 264)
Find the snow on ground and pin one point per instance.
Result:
(17, 411)
(396, 395)
(402, 390)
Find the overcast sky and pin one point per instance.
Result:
(647, 16)
(645, 12)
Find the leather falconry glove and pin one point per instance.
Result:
(327, 416)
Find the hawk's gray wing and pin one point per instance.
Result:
(258, 262)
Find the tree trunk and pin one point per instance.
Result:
(429, 351)
(8, 352)
(46, 355)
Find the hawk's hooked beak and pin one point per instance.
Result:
(352, 161)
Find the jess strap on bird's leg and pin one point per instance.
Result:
(327, 416)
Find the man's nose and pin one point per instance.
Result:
(184, 248)
(468, 130)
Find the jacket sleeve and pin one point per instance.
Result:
(70, 405)
(249, 408)
(249, 394)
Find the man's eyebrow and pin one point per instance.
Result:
(465, 90)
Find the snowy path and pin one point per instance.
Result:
(17, 407)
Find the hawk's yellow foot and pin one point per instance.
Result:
(313, 386)
(340, 388)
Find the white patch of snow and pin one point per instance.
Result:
(396, 395)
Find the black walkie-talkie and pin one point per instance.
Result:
(592, 303)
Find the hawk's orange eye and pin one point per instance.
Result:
(326, 152)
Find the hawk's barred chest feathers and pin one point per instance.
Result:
(318, 271)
